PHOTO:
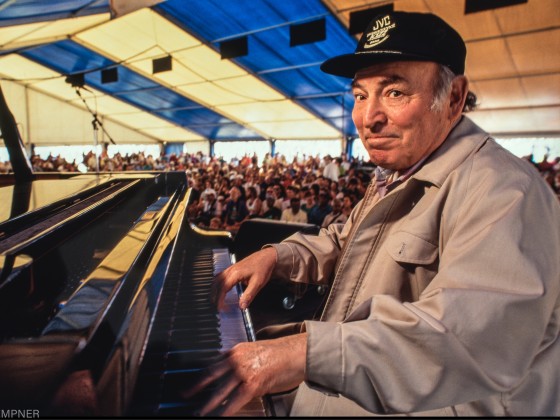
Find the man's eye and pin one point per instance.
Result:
(395, 94)
(358, 96)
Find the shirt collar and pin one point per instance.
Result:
(387, 179)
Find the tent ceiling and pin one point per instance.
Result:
(275, 91)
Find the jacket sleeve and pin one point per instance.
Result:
(312, 259)
(488, 315)
(307, 258)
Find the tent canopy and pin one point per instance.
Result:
(159, 70)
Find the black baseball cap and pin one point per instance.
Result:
(400, 36)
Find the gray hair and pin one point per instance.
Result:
(443, 87)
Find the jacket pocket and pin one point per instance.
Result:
(405, 247)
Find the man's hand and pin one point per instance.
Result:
(251, 370)
(253, 271)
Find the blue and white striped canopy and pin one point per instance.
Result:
(276, 91)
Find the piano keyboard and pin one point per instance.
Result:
(188, 334)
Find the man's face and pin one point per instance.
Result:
(295, 204)
(234, 194)
(337, 205)
(392, 112)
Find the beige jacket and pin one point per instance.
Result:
(444, 296)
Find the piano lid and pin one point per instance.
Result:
(19, 199)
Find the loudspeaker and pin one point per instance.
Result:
(109, 75)
(306, 33)
(473, 6)
(237, 47)
(161, 64)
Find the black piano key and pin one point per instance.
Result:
(183, 359)
(189, 323)
(174, 383)
(208, 343)
(178, 409)
(179, 360)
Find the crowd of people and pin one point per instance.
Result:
(316, 190)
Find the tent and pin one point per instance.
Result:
(207, 71)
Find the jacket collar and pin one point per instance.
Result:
(465, 139)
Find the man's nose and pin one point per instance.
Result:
(374, 115)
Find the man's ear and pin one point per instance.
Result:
(459, 91)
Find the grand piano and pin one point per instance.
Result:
(104, 283)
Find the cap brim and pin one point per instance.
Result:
(348, 64)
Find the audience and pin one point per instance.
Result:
(273, 190)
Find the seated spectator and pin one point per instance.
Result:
(266, 184)
(280, 194)
(331, 170)
(308, 201)
(291, 192)
(224, 187)
(317, 214)
(270, 211)
(254, 203)
(335, 192)
(253, 181)
(348, 203)
(208, 208)
(294, 213)
(208, 189)
(336, 215)
(215, 223)
(237, 181)
(235, 211)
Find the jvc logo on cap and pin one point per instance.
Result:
(379, 32)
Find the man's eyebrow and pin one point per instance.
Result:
(385, 81)
(355, 84)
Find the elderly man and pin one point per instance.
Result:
(444, 282)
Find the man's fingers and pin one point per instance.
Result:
(210, 374)
(221, 396)
(238, 398)
(254, 271)
(218, 290)
(248, 295)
